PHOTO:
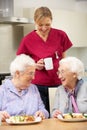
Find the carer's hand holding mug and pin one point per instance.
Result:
(40, 64)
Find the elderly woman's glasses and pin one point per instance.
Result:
(61, 72)
(31, 73)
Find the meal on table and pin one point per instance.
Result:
(17, 119)
(73, 116)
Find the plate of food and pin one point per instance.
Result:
(18, 120)
(72, 117)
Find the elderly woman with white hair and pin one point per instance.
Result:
(18, 96)
(71, 96)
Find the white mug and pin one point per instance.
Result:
(48, 63)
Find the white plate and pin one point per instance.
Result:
(71, 120)
(37, 120)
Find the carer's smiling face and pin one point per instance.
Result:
(43, 26)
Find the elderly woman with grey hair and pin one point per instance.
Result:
(71, 96)
(18, 96)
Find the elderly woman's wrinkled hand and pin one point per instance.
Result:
(40, 114)
(4, 115)
(55, 113)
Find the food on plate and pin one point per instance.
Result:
(16, 119)
(78, 115)
(73, 116)
(67, 116)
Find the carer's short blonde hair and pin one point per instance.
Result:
(20, 63)
(42, 12)
(74, 65)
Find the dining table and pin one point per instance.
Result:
(47, 124)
